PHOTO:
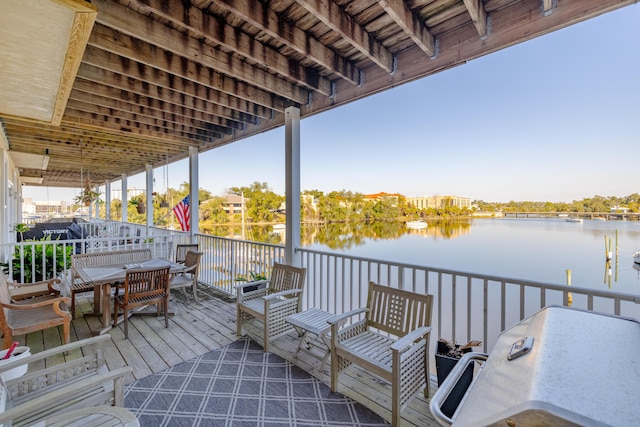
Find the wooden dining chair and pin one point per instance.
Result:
(143, 287)
(182, 250)
(188, 277)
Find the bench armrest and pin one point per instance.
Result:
(407, 341)
(282, 294)
(340, 318)
(47, 402)
(54, 351)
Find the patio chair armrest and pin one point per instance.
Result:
(43, 303)
(282, 294)
(49, 283)
(407, 341)
(341, 318)
(188, 269)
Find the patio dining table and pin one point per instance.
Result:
(103, 277)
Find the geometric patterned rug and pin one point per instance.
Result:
(241, 385)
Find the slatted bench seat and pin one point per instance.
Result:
(97, 259)
(81, 382)
(391, 341)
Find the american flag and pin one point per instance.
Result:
(183, 213)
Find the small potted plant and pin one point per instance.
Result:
(251, 277)
(448, 353)
(138, 202)
(88, 195)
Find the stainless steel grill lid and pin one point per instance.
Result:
(583, 368)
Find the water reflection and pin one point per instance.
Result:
(344, 236)
(528, 249)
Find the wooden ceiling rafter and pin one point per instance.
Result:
(210, 79)
(346, 27)
(204, 72)
(108, 96)
(478, 16)
(286, 32)
(204, 28)
(90, 111)
(410, 24)
(184, 92)
(89, 102)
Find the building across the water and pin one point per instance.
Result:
(439, 202)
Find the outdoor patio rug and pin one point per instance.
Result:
(241, 385)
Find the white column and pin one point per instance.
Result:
(107, 200)
(194, 185)
(125, 199)
(4, 190)
(292, 183)
(149, 198)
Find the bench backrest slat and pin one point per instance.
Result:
(397, 311)
(107, 258)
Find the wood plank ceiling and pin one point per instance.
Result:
(160, 76)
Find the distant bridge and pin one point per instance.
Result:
(621, 216)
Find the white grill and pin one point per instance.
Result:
(582, 369)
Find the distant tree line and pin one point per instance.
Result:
(590, 204)
(263, 205)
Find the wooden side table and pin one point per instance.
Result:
(312, 321)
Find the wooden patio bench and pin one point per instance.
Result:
(391, 341)
(82, 381)
(97, 259)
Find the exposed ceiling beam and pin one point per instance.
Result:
(339, 21)
(261, 17)
(128, 125)
(478, 15)
(191, 61)
(132, 103)
(548, 6)
(187, 93)
(214, 33)
(410, 24)
(198, 77)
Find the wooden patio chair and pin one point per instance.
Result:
(182, 250)
(29, 315)
(23, 291)
(188, 277)
(272, 304)
(391, 342)
(143, 287)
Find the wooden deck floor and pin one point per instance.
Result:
(198, 328)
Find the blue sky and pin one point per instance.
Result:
(556, 118)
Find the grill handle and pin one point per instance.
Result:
(449, 383)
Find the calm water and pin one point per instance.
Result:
(531, 249)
